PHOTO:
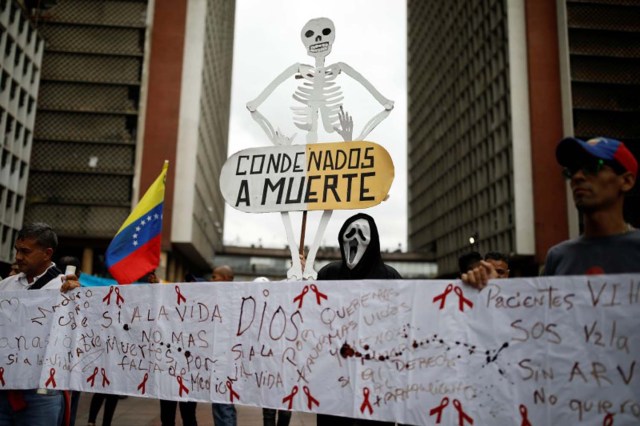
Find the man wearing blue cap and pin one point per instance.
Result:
(601, 171)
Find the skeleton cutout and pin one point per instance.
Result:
(355, 241)
(320, 98)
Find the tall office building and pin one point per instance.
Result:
(125, 86)
(192, 91)
(20, 59)
(493, 86)
(86, 134)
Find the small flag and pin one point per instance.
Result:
(135, 249)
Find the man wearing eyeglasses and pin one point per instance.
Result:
(601, 171)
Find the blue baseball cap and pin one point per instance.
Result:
(604, 148)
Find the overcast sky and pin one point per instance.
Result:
(370, 37)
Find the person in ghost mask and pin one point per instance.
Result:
(361, 260)
(360, 248)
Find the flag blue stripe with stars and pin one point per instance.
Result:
(134, 236)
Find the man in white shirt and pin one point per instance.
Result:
(35, 246)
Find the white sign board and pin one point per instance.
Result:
(321, 176)
(539, 351)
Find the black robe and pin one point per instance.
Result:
(369, 267)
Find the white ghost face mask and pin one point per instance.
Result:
(355, 241)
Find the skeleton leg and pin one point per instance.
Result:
(295, 272)
(309, 272)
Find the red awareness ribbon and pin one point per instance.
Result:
(232, 393)
(2, 375)
(119, 299)
(107, 298)
(443, 298)
(300, 298)
(366, 403)
(608, 420)
(51, 380)
(182, 386)
(181, 298)
(462, 416)
(104, 377)
(142, 387)
(289, 398)
(462, 300)
(319, 295)
(92, 378)
(525, 415)
(438, 410)
(310, 399)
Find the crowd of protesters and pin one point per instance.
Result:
(600, 172)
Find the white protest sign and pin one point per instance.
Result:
(541, 351)
(319, 106)
(322, 176)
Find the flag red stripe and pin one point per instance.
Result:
(142, 261)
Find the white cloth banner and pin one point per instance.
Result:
(541, 351)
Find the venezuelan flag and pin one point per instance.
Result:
(135, 249)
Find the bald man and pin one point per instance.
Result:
(222, 273)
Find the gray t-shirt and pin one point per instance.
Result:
(616, 254)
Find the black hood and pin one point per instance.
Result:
(369, 267)
(371, 258)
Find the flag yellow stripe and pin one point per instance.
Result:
(153, 197)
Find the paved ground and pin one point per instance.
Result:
(146, 412)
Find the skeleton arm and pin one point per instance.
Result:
(386, 103)
(275, 136)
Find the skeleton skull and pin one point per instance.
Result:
(355, 241)
(318, 36)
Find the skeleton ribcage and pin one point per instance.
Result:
(319, 94)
